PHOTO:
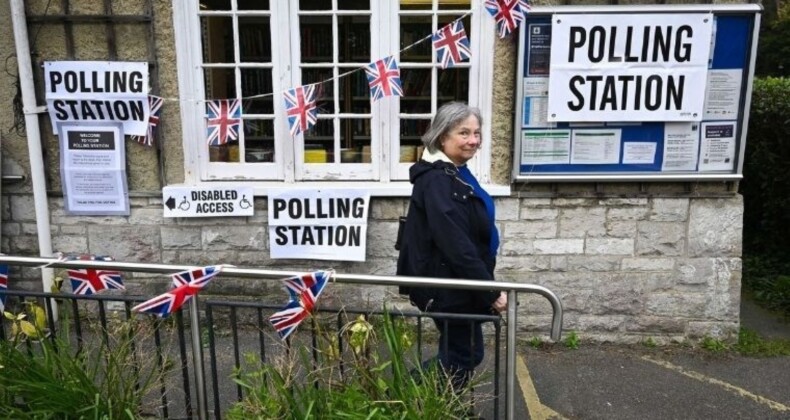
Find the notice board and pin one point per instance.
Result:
(634, 93)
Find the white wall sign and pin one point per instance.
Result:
(93, 169)
(646, 67)
(318, 224)
(215, 201)
(98, 91)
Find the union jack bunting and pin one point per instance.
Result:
(223, 121)
(384, 78)
(303, 292)
(301, 109)
(451, 44)
(155, 105)
(186, 285)
(88, 281)
(3, 285)
(508, 14)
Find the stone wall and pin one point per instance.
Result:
(629, 261)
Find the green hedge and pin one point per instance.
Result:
(766, 183)
(766, 191)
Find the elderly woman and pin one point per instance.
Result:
(450, 233)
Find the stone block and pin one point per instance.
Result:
(542, 214)
(70, 244)
(616, 214)
(716, 227)
(558, 246)
(510, 266)
(609, 246)
(582, 222)
(647, 264)
(381, 239)
(239, 238)
(660, 238)
(181, 237)
(529, 230)
(507, 208)
(516, 247)
(676, 304)
(126, 243)
(23, 208)
(621, 229)
(388, 208)
(601, 263)
(669, 210)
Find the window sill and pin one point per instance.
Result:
(377, 189)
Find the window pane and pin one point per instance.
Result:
(416, 90)
(253, 4)
(453, 85)
(411, 138)
(259, 140)
(316, 42)
(207, 5)
(220, 83)
(413, 29)
(315, 4)
(353, 4)
(454, 4)
(354, 38)
(325, 91)
(255, 40)
(257, 82)
(355, 141)
(226, 153)
(355, 93)
(217, 39)
(319, 143)
(415, 4)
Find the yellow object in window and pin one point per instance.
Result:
(315, 156)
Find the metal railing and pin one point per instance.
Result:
(512, 289)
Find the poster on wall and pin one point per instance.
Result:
(328, 224)
(634, 93)
(93, 169)
(649, 67)
(98, 91)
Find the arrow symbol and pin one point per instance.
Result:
(171, 203)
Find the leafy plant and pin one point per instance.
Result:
(713, 345)
(572, 341)
(751, 344)
(377, 383)
(535, 342)
(649, 342)
(106, 378)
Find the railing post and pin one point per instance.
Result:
(511, 355)
(197, 359)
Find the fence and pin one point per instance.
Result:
(192, 328)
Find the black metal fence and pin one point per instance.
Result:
(228, 330)
(181, 343)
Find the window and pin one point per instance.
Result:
(254, 50)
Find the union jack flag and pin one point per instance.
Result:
(507, 13)
(384, 78)
(451, 44)
(3, 285)
(301, 109)
(186, 285)
(155, 105)
(224, 121)
(87, 281)
(303, 292)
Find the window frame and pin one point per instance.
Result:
(389, 177)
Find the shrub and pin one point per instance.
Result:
(377, 383)
(47, 377)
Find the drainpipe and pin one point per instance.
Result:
(33, 137)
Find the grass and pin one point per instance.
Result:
(751, 344)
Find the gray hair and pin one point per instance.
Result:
(448, 116)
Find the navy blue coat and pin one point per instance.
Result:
(446, 235)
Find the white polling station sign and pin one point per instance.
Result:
(218, 201)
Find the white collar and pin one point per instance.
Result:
(436, 156)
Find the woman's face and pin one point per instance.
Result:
(462, 141)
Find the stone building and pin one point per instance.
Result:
(630, 259)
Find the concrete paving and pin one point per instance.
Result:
(637, 382)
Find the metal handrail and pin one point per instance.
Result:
(230, 271)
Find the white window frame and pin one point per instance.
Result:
(384, 176)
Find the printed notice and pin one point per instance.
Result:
(545, 147)
(93, 169)
(535, 112)
(717, 148)
(681, 145)
(723, 94)
(638, 152)
(539, 52)
(318, 224)
(595, 147)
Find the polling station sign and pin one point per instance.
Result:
(98, 91)
(326, 224)
(643, 67)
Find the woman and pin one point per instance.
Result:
(450, 233)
